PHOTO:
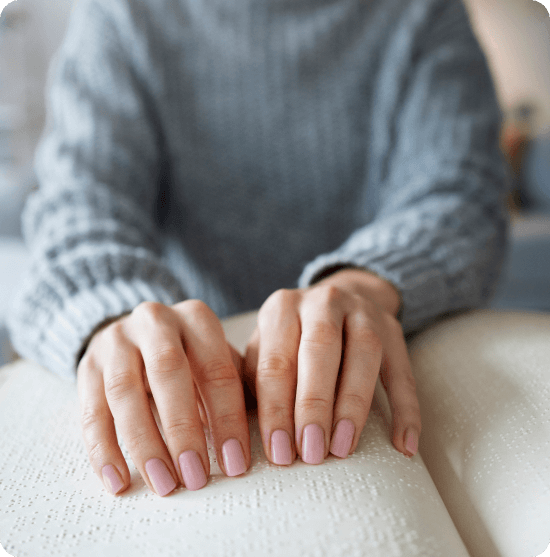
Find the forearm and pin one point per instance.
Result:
(90, 228)
(438, 184)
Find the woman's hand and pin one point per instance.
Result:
(169, 352)
(314, 359)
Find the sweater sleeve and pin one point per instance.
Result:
(90, 227)
(439, 231)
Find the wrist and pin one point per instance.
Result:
(365, 283)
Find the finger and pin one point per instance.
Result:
(399, 381)
(250, 363)
(319, 358)
(237, 359)
(98, 429)
(279, 340)
(239, 363)
(156, 332)
(218, 383)
(360, 368)
(130, 407)
(200, 405)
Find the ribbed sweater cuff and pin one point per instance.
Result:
(55, 339)
(422, 289)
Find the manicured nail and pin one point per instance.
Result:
(192, 470)
(233, 458)
(313, 444)
(342, 438)
(281, 451)
(111, 479)
(411, 441)
(160, 476)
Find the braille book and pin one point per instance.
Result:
(478, 487)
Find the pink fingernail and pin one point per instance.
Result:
(342, 438)
(160, 476)
(281, 451)
(233, 458)
(313, 444)
(111, 479)
(192, 470)
(411, 441)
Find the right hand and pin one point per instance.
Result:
(173, 352)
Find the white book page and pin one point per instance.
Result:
(483, 382)
(377, 502)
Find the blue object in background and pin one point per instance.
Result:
(536, 175)
(525, 280)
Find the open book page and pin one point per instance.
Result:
(376, 502)
(483, 382)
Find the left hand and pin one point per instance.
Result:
(313, 361)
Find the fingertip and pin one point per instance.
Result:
(410, 441)
(233, 458)
(282, 453)
(160, 477)
(342, 438)
(313, 444)
(192, 470)
(112, 479)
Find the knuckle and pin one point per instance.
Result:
(165, 360)
(315, 404)
(222, 382)
(367, 305)
(219, 373)
(114, 333)
(179, 427)
(330, 295)
(152, 312)
(276, 366)
(353, 401)
(279, 299)
(137, 439)
(115, 330)
(120, 383)
(369, 340)
(283, 296)
(96, 450)
(91, 416)
(277, 413)
(322, 333)
(228, 421)
(196, 308)
(150, 315)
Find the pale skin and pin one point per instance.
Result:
(312, 362)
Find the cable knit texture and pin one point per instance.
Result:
(223, 150)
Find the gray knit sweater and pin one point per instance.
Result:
(222, 150)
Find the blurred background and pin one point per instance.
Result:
(515, 35)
